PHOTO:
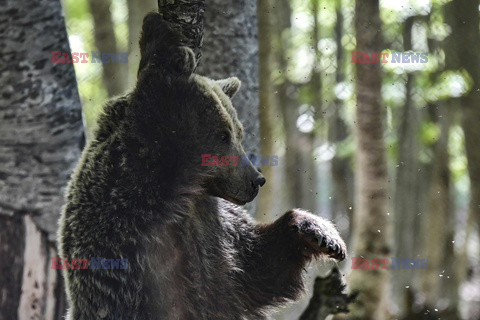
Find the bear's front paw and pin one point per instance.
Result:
(184, 60)
(319, 235)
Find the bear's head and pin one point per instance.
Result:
(189, 119)
(232, 175)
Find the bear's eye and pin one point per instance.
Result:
(225, 137)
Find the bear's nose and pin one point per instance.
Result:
(259, 181)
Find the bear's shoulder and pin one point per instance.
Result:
(112, 116)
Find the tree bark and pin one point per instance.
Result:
(186, 16)
(12, 238)
(267, 136)
(372, 225)
(41, 134)
(114, 74)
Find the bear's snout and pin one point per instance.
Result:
(259, 181)
(256, 183)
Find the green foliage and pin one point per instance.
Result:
(449, 84)
(429, 133)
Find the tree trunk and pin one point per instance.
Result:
(308, 141)
(293, 160)
(186, 16)
(267, 136)
(41, 134)
(372, 225)
(438, 246)
(230, 48)
(316, 80)
(137, 9)
(114, 74)
(342, 175)
(468, 45)
(287, 102)
(407, 202)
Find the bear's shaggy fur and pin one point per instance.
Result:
(140, 193)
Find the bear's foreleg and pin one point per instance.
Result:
(273, 264)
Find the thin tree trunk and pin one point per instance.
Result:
(306, 170)
(342, 175)
(286, 100)
(438, 246)
(442, 279)
(316, 81)
(309, 140)
(406, 205)
(41, 134)
(137, 9)
(293, 160)
(230, 48)
(114, 74)
(267, 137)
(372, 225)
(299, 172)
(467, 37)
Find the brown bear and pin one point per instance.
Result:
(141, 195)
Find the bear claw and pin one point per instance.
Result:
(320, 235)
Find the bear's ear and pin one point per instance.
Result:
(230, 85)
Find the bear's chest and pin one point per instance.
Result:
(189, 271)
